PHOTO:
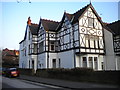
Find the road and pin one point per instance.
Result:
(23, 84)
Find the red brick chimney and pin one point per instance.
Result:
(29, 21)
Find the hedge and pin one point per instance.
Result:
(77, 74)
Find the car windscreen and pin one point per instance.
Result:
(13, 69)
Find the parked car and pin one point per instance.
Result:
(12, 72)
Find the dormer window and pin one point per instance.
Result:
(90, 22)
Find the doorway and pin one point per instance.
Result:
(54, 63)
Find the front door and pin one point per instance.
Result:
(54, 63)
(32, 64)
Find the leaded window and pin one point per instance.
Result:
(90, 22)
(41, 47)
(84, 61)
(35, 48)
(95, 63)
(52, 45)
(90, 62)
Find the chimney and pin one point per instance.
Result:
(29, 21)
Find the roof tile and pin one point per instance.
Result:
(49, 24)
(115, 27)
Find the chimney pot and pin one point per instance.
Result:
(29, 21)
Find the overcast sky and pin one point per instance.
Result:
(13, 16)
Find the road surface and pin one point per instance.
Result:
(23, 84)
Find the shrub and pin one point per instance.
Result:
(25, 71)
(77, 74)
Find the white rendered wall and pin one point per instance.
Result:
(117, 58)
(42, 60)
(78, 62)
(100, 60)
(27, 48)
(67, 59)
(109, 57)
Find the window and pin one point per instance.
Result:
(96, 42)
(87, 41)
(91, 41)
(90, 62)
(41, 47)
(33, 63)
(29, 63)
(29, 49)
(95, 63)
(57, 45)
(29, 35)
(35, 48)
(90, 22)
(76, 27)
(34, 38)
(52, 45)
(25, 51)
(84, 62)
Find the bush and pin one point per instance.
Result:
(77, 74)
(81, 71)
(42, 73)
(25, 71)
(61, 73)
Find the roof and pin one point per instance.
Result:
(49, 24)
(115, 27)
(7, 52)
(75, 16)
(79, 13)
(33, 28)
(70, 16)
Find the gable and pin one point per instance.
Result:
(85, 19)
(66, 17)
(41, 28)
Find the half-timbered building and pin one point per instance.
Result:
(47, 44)
(78, 40)
(81, 39)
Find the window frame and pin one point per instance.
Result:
(52, 45)
(90, 22)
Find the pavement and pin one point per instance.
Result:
(67, 84)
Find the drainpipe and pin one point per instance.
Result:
(74, 48)
(48, 52)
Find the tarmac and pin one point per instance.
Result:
(68, 84)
